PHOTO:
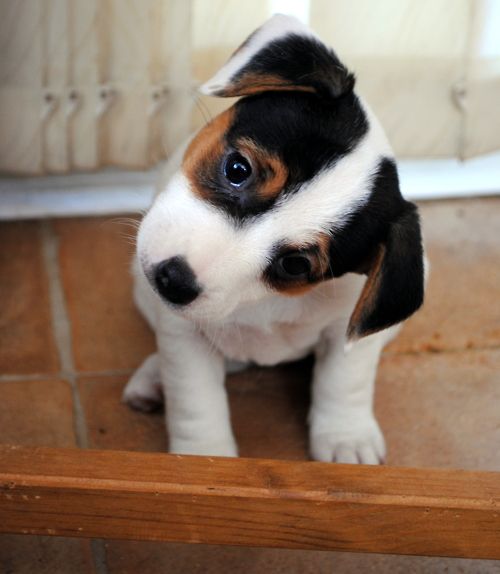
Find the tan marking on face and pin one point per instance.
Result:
(255, 83)
(272, 172)
(323, 256)
(319, 256)
(206, 150)
(297, 290)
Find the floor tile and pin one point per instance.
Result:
(268, 409)
(125, 557)
(462, 306)
(112, 424)
(39, 413)
(107, 330)
(36, 413)
(436, 410)
(26, 341)
(441, 410)
(44, 555)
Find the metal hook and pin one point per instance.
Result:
(158, 98)
(107, 97)
(49, 105)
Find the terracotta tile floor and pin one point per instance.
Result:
(70, 337)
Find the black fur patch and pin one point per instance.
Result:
(306, 132)
(401, 286)
(355, 242)
(301, 61)
(385, 220)
(383, 240)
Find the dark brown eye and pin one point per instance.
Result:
(293, 266)
(237, 169)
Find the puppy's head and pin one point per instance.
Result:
(291, 186)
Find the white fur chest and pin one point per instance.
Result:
(283, 328)
(278, 343)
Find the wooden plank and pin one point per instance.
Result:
(250, 502)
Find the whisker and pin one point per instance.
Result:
(202, 107)
(134, 223)
(128, 237)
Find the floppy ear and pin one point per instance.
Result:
(395, 285)
(283, 54)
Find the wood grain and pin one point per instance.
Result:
(251, 502)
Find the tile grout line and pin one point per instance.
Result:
(60, 373)
(107, 373)
(98, 547)
(12, 378)
(77, 374)
(62, 334)
(61, 327)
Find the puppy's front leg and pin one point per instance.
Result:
(192, 376)
(342, 424)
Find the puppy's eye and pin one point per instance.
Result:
(237, 169)
(293, 266)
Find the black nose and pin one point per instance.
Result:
(176, 281)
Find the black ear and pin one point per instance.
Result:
(283, 54)
(394, 288)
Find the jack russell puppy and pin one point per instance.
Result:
(278, 230)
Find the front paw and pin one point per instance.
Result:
(225, 447)
(349, 442)
(143, 391)
(142, 402)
